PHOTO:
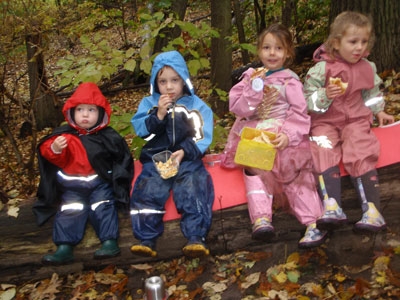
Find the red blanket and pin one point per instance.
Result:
(229, 185)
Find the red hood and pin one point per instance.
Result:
(87, 93)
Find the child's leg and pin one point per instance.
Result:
(147, 208)
(259, 199)
(69, 223)
(103, 213)
(103, 216)
(360, 155)
(303, 198)
(259, 203)
(193, 193)
(367, 187)
(329, 186)
(306, 205)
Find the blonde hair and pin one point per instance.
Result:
(341, 24)
(283, 34)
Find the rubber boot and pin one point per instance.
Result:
(259, 203)
(108, 249)
(146, 248)
(312, 237)
(62, 256)
(367, 187)
(329, 188)
(196, 247)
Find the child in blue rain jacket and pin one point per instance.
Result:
(173, 118)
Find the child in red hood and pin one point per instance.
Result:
(88, 167)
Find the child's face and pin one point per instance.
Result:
(86, 115)
(169, 82)
(353, 44)
(272, 53)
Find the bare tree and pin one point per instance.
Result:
(44, 104)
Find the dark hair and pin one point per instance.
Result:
(283, 34)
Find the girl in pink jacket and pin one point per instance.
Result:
(271, 98)
(341, 119)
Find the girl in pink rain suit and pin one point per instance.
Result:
(271, 98)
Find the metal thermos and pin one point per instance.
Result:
(155, 289)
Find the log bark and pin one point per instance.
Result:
(23, 243)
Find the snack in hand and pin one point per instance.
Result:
(263, 138)
(338, 81)
(259, 72)
(167, 169)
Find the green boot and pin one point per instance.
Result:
(108, 249)
(63, 255)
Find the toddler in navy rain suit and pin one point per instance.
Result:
(86, 168)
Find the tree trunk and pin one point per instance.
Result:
(23, 243)
(288, 9)
(259, 12)
(241, 35)
(385, 15)
(221, 53)
(179, 8)
(45, 105)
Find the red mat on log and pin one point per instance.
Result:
(229, 185)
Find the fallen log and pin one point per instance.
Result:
(23, 243)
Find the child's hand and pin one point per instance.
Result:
(384, 118)
(281, 141)
(332, 91)
(178, 155)
(59, 144)
(163, 104)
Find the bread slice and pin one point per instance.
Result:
(338, 81)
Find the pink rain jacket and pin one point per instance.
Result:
(341, 127)
(287, 114)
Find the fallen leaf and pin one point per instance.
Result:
(215, 287)
(293, 258)
(293, 276)
(250, 280)
(340, 277)
(281, 295)
(356, 269)
(8, 294)
(142, 267)
(281, 277)
(13, 211)
(365, 239)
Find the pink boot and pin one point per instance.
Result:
(259, 203)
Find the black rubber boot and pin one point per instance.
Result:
(108, 249)
(330, 186)
(63, 255)
(332, 182)
(367, 187)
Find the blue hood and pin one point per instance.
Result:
(176, 61)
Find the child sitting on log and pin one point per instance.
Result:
(88, 167)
